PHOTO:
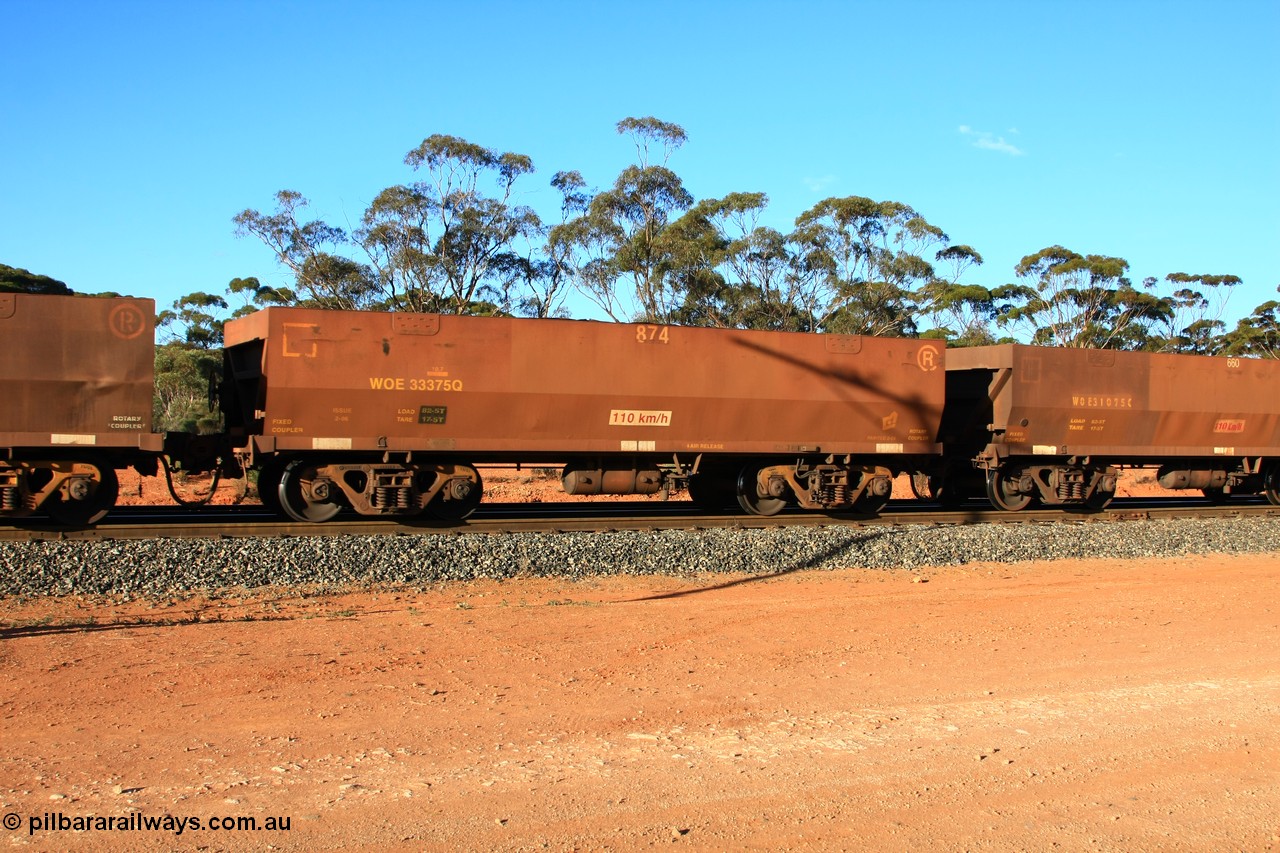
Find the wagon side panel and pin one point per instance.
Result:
(338, 379)
(76, 371)
(1137, 406)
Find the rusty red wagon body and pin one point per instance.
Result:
(1053, 424)
(77, 382)
(390, 412)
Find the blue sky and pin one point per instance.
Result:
(132, 132)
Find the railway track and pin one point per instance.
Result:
(251, 521)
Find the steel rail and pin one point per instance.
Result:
(250, 521)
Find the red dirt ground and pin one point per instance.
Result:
(1063, 705)
(1074, 705)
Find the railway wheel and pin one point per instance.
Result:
(1271, 484)
(749, 497)
(89, 501)
(303, 496)
(463, 496)
(269, 485)
(1000, 491)
(712, 491)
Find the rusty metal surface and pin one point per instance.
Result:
(489, 387)
(1140, 406)
(77, 372)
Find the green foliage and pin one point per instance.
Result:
(1071, 300)
(197, 319)
(323, 278)
(651, 131)
(15, 280)
(445, 244)
(962, 314)
(538, 273)
(736, 273)
(189, 360)
(253, 295)
(191, 314)
(622, 235)
(643, 248)
(640, 249)
(1068, 299)
(1258, 334)
(1194, 322)
(861, 265)
(181, 402)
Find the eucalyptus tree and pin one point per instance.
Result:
(1258, 334)
(860, 264)
(736, 273)
(538, 278)
(253, 295)
(311, 251)
(1071, 300)
(620, 245)
(182, 376)
(960, 313)
(187, 362)
(195, 320)
(1194, 323)
(17, 280)
(441, 244)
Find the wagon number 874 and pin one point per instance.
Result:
(649, 334)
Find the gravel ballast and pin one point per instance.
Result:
(160, 567)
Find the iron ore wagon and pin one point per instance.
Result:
(1053, 425)
(390, 413)
(77, 381)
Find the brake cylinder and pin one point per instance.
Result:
(1175, 478)
(595, 481)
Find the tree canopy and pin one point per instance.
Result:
(15, 280)
(457, 239)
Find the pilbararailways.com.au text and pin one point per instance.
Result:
(142, 822)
